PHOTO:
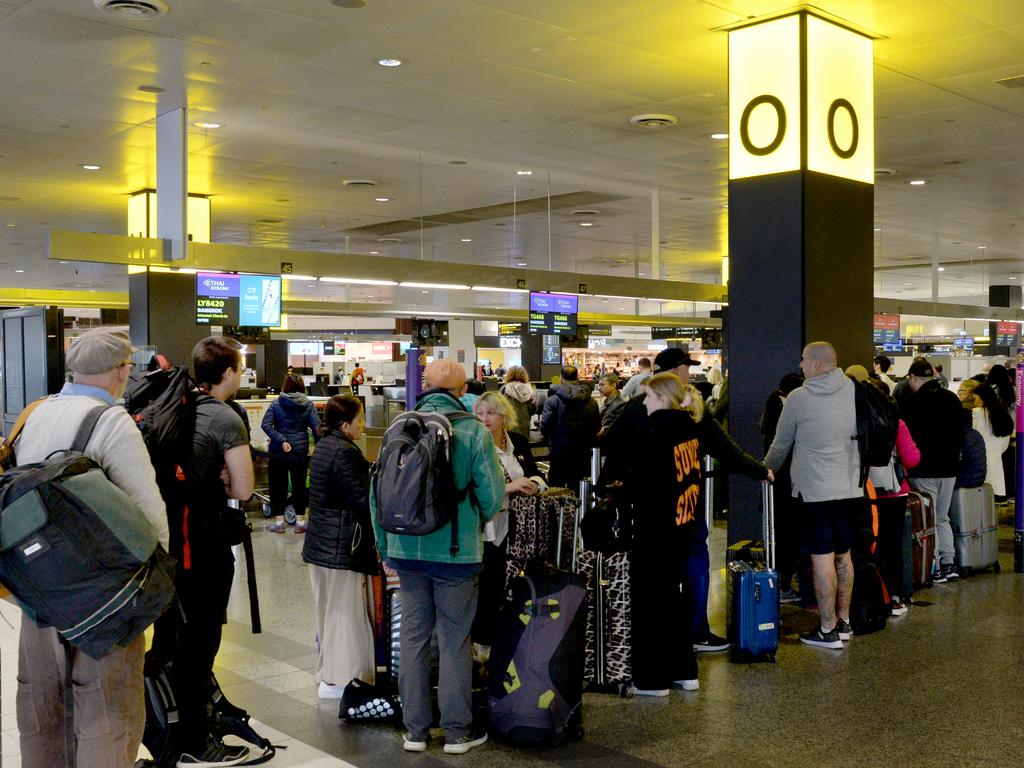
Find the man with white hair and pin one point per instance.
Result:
(819, 424)
(109, 708)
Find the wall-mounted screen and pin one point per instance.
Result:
(553, 313)
(249, 300)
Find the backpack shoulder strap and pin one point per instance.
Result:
(87, 426)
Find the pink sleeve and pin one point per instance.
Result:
(910, 455)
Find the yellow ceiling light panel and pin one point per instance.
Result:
(764, 98)
(142, 216)
(801, 97)
(840, 102)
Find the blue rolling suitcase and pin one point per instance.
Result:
(752, 597)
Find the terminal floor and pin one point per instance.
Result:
(941, 686)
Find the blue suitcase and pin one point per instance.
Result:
(752, 597)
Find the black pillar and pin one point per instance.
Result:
(800, 247)
(162, 313)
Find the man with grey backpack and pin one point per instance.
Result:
(436, 482)
(109, 711)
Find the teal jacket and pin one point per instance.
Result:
(476, 466)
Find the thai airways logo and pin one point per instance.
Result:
(215, 285)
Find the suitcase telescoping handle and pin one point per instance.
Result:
(709, 489)
(768, 505)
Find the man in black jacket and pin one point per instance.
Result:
(934, 417)
(570, 421)
(623, 444)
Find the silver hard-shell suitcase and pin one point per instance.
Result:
(972, 515)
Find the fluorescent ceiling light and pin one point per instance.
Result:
(942, 269)
(306, 278)
(390, 62)
(466, 239)
(356, 281)
(524, 173)
(438, 286)
(90, 167)
(505, 290)
(382, 199)
(209, 124)
(719, 136)
(917, 182)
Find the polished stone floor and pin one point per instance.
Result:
(940, 686)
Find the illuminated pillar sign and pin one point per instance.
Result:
(216, 299)
(801, 97)
(886, 329)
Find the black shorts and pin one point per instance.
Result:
(825, 526)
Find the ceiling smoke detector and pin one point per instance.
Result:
(360, 182)
(881, 173)
(134, 10)
(653, 120)
(585, 212)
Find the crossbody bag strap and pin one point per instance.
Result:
(19, 424)
(87, 427)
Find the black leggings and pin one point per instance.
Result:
(892, 512)
(278, 472)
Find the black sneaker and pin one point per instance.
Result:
(950, 572)
(463, 744)
(216, 754)
(711, 644)
(939, 575)
(823, 639)
(844, 629)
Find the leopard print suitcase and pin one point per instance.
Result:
(608, 646)
(533, 529)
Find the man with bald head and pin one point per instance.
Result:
(819, 423)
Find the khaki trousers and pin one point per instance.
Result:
(110, 709)
(343, 622)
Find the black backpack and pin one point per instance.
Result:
(163, 404)
(878, 422)
(162, 735)
(412, 478)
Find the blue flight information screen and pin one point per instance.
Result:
(553, 313)
(224, 299)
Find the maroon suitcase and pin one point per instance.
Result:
(923, 535)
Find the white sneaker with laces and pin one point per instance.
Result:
(688, 685)
(650, 692)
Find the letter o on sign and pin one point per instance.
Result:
(849, 152)
(780, 132)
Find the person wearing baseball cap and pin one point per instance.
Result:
(933, 416)
(622, 444)
(439, 589)
(100, 361)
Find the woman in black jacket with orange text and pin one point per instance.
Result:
(340, 549)
(668, 476)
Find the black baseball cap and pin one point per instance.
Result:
(671, 358)
(921, 368)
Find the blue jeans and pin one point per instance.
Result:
(698, 581)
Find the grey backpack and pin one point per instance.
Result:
(412, 478)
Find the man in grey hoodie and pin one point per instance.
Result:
(818, 422)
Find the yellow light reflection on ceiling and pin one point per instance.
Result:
(142, 208)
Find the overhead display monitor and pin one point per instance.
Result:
(553, 313)
(886, 329)
(246, 300)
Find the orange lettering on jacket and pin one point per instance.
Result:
(686, 504)
(687, 458)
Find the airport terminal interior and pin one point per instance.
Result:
(538, 183)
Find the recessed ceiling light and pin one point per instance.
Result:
(586, 223)
(719, 136)
(917, 182)
(1013, 278)
(19, 271)
(982, 247)
(374, 253)
(11, 225)
(382, 199)
(641, 274)
(522, 263)
(390, 62)
(90, 167)
(62, 262)
(207, 124)
(653, 120)
(878, 229)
(424, 291)
(942, 269)
(524, 173)
(467, 239)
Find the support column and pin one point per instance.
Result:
(161, 313)
(172, 180)
(801, 198)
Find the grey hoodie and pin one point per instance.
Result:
(818, 422)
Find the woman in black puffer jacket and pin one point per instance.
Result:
(340, 549)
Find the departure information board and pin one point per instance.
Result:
(553, 313)
(246, 300)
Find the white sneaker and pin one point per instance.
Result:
(651, 692)
(688, 685)
(328, 691)
(463, 744)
